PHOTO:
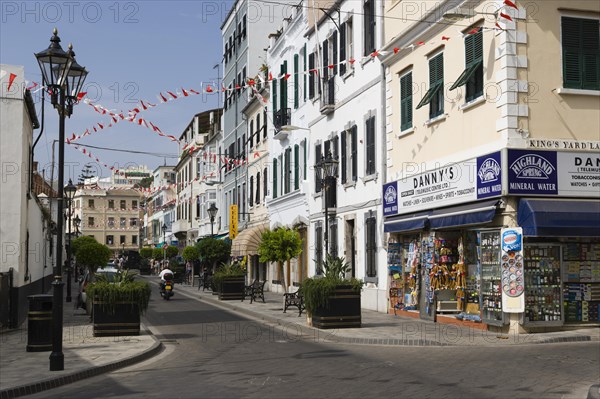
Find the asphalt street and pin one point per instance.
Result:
(210, 352)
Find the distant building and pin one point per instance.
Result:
(122, 178)
(160, 208)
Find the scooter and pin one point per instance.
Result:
(166, 290)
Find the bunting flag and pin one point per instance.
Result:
(11, 80)
(511, 4)
(506, 16)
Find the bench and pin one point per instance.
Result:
(294, 299)
(255, 290)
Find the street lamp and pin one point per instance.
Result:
(69, 191)
(212, 213)
(57, 78)
(164, 230)
(326, 172)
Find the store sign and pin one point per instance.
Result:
(513, 271)
(451, 184)
(565, 145)
(390, 199)
(575, 174)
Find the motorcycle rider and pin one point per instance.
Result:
(165, 274)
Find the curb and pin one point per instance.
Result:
(55, 382)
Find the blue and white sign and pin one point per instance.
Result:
(390, 199)
(532, 172)
(489, 176)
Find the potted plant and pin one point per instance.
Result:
(333, 301)
(117, 304)
(230, 281)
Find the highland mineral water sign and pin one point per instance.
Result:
(569, 174)
(449, 184)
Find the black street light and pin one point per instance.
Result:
(212, 213)
(58, 79)
(326, 173)
(69, 191)
(164, 230)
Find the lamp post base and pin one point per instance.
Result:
(57, 358)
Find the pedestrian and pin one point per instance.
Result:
(188, 272)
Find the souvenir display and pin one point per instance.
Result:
(543, 283)
(490, 263)
(581, 273)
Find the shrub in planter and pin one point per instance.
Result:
(117, 305)
(229, 280)
(333, 301)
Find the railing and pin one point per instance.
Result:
(282, 118)
(328, 95)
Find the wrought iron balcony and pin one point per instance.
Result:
(282, 118)
(328, 96)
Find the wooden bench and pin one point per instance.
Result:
(294, 299)
(255, 290)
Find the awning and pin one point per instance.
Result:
(415, 221)
(247, 242)
(559, 218)
(464, 215)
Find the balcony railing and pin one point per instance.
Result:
(328, 95)
(282, 118)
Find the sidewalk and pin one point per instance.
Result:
(23, 372)
(384, 329)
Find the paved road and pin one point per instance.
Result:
(212, 353)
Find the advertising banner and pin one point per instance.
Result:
(513, 272)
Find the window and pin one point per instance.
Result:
(258, 188)
(91, 203)
(304, 66)
(296, 80)
(134, 240)
(251, 138)
(275, 178)
(110, 240)
(122, 222)
(283, 88)
(274, 94)
(122, 239)
(265, 183)
(133, 222)
(251, 197)
(305, 159)
(244, 26)
(123, 204)
(370, 146)
(318, 248)
(296, 167)
(435, 95)
(318, 156)
(111, 204)
(287, 170)
(90, 222)
(371, 244)
(472, 76)
(311, 76)
(344, 158)
(581, 53)
(239, 33)
(369, 26)
(406, 114)
(111, 222)
(333, 237)
(134, 204)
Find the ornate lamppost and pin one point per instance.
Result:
(164, 230)
(326, 173)
(212, 213)
(63, 83)
(69, 192)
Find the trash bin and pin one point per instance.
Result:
(39, 323)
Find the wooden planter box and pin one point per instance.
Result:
(232, 288)
(343, 310)
(124, 321)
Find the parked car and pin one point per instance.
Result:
(110, 271)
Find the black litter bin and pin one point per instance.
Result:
(39, 323)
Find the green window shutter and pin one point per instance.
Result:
(274, 93)
(465, 76)
(406, 102)
(305, 176)
(304, 69)
(429, 95)
(275, 177)
(581, 53)
(296, 78)
(296, 167)
(473, 62)
(436, 79)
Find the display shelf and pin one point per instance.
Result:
(543, 296)
(489, 260)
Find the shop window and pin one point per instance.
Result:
(435, 95)
(371, 244)
(472, 76)
(406, 102)
(581, 53)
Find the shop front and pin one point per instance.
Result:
(464, 245)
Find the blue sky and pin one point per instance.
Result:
(133, 50)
